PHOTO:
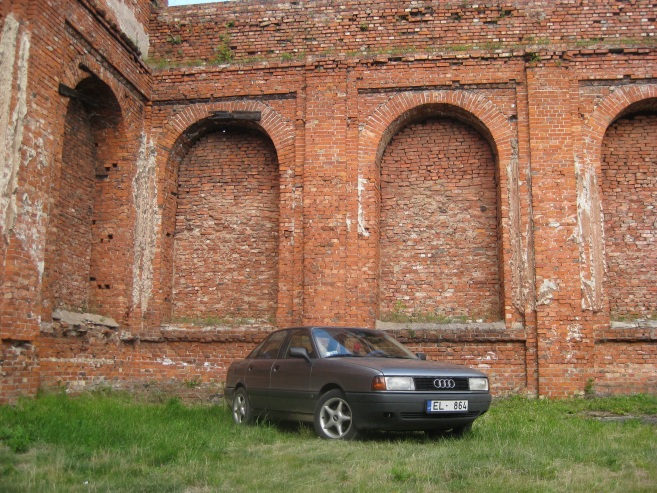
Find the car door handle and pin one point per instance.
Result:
(276, 368)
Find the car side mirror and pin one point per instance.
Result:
(300, 352)
(421, 356)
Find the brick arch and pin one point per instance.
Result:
(611, 108)
(478, 111)
(73, 75)
(279, 129)
(589, 201)
(493, 120)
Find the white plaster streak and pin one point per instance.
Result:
(362, 229)
(519, 261)
(94, 362)
(146, 224)
(13, 70)
(129, 24)
(590, 235)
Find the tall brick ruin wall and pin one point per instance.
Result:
(479, 180)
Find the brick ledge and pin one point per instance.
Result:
(637, 331)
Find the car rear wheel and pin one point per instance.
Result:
(241, 407)
(333, 417)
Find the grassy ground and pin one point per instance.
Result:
(113, 442)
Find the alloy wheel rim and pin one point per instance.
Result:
(239, 409)
(335, 418)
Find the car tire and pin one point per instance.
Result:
(462, 430)
(334, 418)
(456, 432)
(242, 414)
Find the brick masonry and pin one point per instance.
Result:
(477, 179)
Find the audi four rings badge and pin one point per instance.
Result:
(444, 383)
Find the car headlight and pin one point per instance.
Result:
(478, 383)
(393, 383)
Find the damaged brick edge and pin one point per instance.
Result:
(484, 332)
(214, 334)
(642, 330)
(75, 324)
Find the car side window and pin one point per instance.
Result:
(272, 346)
(300, 339)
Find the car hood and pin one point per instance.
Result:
(394, 366)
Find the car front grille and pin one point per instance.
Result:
(442, 384)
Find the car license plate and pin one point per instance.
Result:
(447, 406)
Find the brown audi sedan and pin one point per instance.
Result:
(350, 379)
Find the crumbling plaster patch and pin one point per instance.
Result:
(129, 24)
(521, 261)
(14, 54)
(546, 292)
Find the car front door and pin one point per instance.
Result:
(290, 377)
(258, 371)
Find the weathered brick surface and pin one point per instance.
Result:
(625, 360)
(255, 31)
(629, 194)
(226, 247)
(492, 162)
(19, 369)
(439, 242)
(70, 240)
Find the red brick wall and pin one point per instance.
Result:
(19, 369)
(439, 241)
(58, 42)
(625, 360)
(528, 88)
(629, 194)
(226, 239)
(256, 31)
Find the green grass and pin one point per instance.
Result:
(114, 442)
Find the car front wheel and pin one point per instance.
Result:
(333, 417)
(241, 407)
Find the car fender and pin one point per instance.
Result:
(342, 374)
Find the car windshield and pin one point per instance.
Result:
(358, 343)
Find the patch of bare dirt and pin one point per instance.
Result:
(650, 419)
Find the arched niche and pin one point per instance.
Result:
(628, 184)
(222, 215)
(87, 247)
(440, 244)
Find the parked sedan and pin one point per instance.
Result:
(350, 379)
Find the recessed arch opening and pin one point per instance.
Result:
(84, 267)
(222, 223)
(629, 195)
(439, 230)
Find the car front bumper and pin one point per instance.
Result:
(406, 411)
